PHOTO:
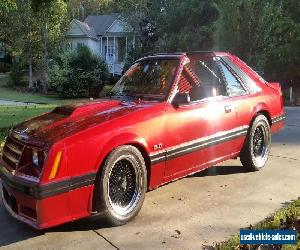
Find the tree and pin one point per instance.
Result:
(187, 25)
(77, 73)
(51, 15)
(80, 9)
(171, 25)
(284, 61)
(32, 30)
(254, 30)
(17, 32)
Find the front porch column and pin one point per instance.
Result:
(126, 48)
(133, 42)
(101, 48)
(114, 56)
(106, 49)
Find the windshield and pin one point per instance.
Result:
(148, 79)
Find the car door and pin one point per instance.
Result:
(203, 130)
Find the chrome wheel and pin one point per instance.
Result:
(260, 144)
(256, 148)
(124, 185)
(258, 141)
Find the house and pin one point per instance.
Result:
(107, 36)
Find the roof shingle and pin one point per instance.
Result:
(101, 23)
(88, 30)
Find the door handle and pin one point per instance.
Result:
(228, 108)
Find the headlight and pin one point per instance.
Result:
(35, 157)
(38, 157)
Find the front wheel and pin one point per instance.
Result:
(121, 187)
(256, 149)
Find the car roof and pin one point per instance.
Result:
(188, 54)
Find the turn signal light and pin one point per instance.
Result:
(55, 165)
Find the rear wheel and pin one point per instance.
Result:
(121, 187)
(256, 149)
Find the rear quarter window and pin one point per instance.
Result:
(247, 80)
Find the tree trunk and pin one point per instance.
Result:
(44, 82)
(30, 84)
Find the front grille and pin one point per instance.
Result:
(12, 152)
(19, 157)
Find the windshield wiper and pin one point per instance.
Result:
(133, 95)
(118, 96)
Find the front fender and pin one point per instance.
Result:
(119, 140)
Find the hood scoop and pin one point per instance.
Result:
(63, 110)
(77, 109)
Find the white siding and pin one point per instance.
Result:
(94, 46)
(75, 41)
(75, 30)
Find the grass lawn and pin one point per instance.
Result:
(10, 94)
(12, 115)
(290, 212)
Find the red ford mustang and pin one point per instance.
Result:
(169, 116)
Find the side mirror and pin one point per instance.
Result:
(180, 99)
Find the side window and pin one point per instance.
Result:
(184, 84)
(201, 79)
(244, 77)
(234, 87)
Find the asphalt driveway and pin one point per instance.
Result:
(187, 213)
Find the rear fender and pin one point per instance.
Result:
(276, 86)
(260, 108)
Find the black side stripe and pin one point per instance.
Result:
(189, 147)
(44, 191)
(278, 119)
(65, 186)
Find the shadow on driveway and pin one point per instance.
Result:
(13, 231)
(221, 170)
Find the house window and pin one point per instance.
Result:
(109, 51)
(79, 45)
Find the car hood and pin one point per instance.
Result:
(67, 120)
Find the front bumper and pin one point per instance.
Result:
(44, 206)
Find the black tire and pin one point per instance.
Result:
(121, 185)
(256, 149)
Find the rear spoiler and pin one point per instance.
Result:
(276, 86)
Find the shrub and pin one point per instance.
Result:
(5, 67)
(77, 73)
(113, 79)
(15, 75)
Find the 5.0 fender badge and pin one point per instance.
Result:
(157, 146)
